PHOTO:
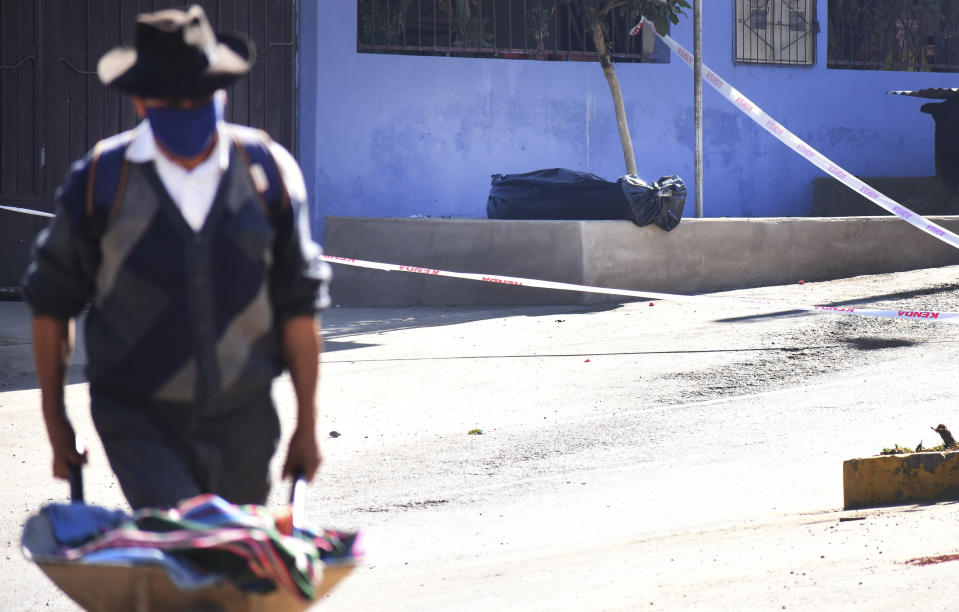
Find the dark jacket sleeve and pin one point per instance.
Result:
(299, 283)
(60, 279)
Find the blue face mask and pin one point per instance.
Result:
(185, 132)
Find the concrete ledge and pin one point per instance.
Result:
(897, 479)
(699, 256)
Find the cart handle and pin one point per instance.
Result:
(75, 477)
(75, 473)
(298, 498)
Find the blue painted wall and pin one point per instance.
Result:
(391, 135)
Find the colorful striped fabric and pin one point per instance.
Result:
(239, 542)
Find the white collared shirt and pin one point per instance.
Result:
(193, 190)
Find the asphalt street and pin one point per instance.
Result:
(647, 455)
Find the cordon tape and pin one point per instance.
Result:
(799, 146)
(516, 281)
(923, 315)
(28, 211)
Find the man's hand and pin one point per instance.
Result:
(303, 454)
(52, 342)
(301, 348)
(63, 442)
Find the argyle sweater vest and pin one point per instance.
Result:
(175, 315)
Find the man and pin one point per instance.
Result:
(188, 238)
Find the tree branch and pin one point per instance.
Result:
(612, 4)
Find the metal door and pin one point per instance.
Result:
(53, 108)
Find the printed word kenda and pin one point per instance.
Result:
(419, 270)
(502, 281)
(918, 314)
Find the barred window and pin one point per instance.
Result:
(511, 29)
(781, 32)
(909, 35)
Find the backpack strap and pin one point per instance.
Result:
(106, 183)
(264, 171)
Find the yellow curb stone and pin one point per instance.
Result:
(898, 479)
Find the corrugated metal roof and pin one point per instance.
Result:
(933, 93)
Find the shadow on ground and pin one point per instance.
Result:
(28, 380)
(340, 324)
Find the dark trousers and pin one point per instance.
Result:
(163, 453)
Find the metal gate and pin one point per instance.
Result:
(53, 108)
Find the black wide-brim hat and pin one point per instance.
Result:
(176, 56)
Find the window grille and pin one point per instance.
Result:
(511, 29)
(780, 32)
(911, 35)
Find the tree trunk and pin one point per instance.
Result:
(600, 41)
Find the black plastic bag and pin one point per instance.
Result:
(661, 203)
(564, 194)
(556, 193)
